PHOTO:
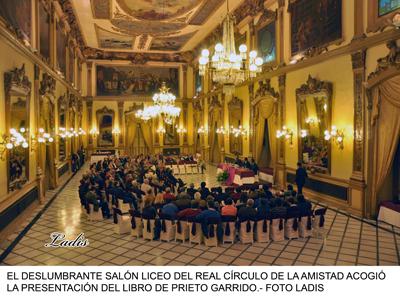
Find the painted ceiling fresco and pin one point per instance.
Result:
(157, 9)
(110, 40)
(143, 25)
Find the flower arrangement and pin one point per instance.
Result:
(222, 176)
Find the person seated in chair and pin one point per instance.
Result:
(247, 212)
(183, 201)
(263, 209)
(246, 163)
(191, 212)
(229, 209)
(149, 212)
(204, 191)
(168, 196)
(170, 210)
(253, 166)
(191, 191)
(303, 205)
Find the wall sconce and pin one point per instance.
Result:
(312, 120)
(337, 136)
(161, 130)
(42, 137)
(303, 133)
(286, 134)
(116, 131)
(202, 130)
(81, 132)
(16, 139)
(236, 132)
(221, 130)
(94, 132)
(180, 130)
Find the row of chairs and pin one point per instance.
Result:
(275, 229)
(179, 169)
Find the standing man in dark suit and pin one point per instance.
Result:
(301, 176)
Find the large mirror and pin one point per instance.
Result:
(105, 118)
(62, 125)
(17, 89)
(235, 109)
(314, 110)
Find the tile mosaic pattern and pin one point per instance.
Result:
(349, 241)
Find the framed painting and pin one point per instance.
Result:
(18, 14)
(266, 42)
(170, 135)
(381, 13)
(387, 6)
(135, 80)
(314, 23)
(44, 31)
(105, 118)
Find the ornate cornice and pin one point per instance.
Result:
(265, 89)
(391, 60)
(235, 102)
(314, 86)
(137, 58)
(47, 85)
(16, 80)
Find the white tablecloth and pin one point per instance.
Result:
(389, 216)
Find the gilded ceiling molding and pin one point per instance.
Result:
(137, 58)
(205, 11)
(68, 10)
(101, 9)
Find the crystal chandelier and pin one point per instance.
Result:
(229, 68)
(164, 106)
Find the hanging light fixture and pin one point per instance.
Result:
(164, 106)
(229, 68)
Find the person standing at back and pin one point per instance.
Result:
(301, 177)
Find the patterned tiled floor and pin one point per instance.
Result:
(349, 241)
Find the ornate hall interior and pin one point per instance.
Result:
(200, 132)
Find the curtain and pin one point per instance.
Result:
(265, 111)
(146, 131)
(130, 134)
(386, 127)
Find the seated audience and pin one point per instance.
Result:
(229, 209)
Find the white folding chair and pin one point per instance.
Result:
(246, 232)
(262, 231)
(94, 215)
(122, 223)
(182, 231)
(148, 229)
(167, 230)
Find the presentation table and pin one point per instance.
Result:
(389, 212)
(238, 176)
